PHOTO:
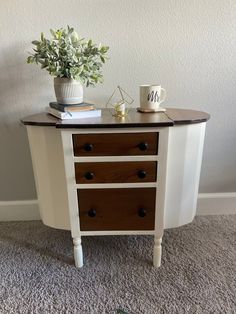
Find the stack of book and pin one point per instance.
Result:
(77, 111)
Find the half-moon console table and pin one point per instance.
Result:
(117, 176)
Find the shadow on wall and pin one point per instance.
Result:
(24, 90)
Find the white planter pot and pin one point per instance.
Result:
(68, 91)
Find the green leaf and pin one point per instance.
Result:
(70, 30)
(119, 311)
(104, 49)
(35, 42)
(30, 59)
(52, 32)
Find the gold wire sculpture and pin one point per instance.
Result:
(121, 107)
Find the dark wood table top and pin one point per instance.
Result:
(172, 116)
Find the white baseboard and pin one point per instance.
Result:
(208, 204)
(19, 210)
(216, 203)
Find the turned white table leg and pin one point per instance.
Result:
(157, 252)
(78, 252)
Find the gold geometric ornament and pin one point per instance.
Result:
(119, 102)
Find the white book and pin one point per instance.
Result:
(74, 115)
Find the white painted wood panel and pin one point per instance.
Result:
(47, 158)
(116, 158)
(183, 172)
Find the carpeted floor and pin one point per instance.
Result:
(198, 272)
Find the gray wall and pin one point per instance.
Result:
(186, 46)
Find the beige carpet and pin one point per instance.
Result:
(198, 272)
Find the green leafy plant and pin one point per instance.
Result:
(119, 311)
(67, 55)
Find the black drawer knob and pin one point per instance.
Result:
(143, 146)
(89, 175)
(142, 212)
(92, 212)
(142, 174)
(88, 147)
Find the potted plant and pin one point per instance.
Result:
(71, 60)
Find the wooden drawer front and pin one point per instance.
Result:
(115, 144)
(117, 209)
(115, 172)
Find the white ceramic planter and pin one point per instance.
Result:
(68, 91)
